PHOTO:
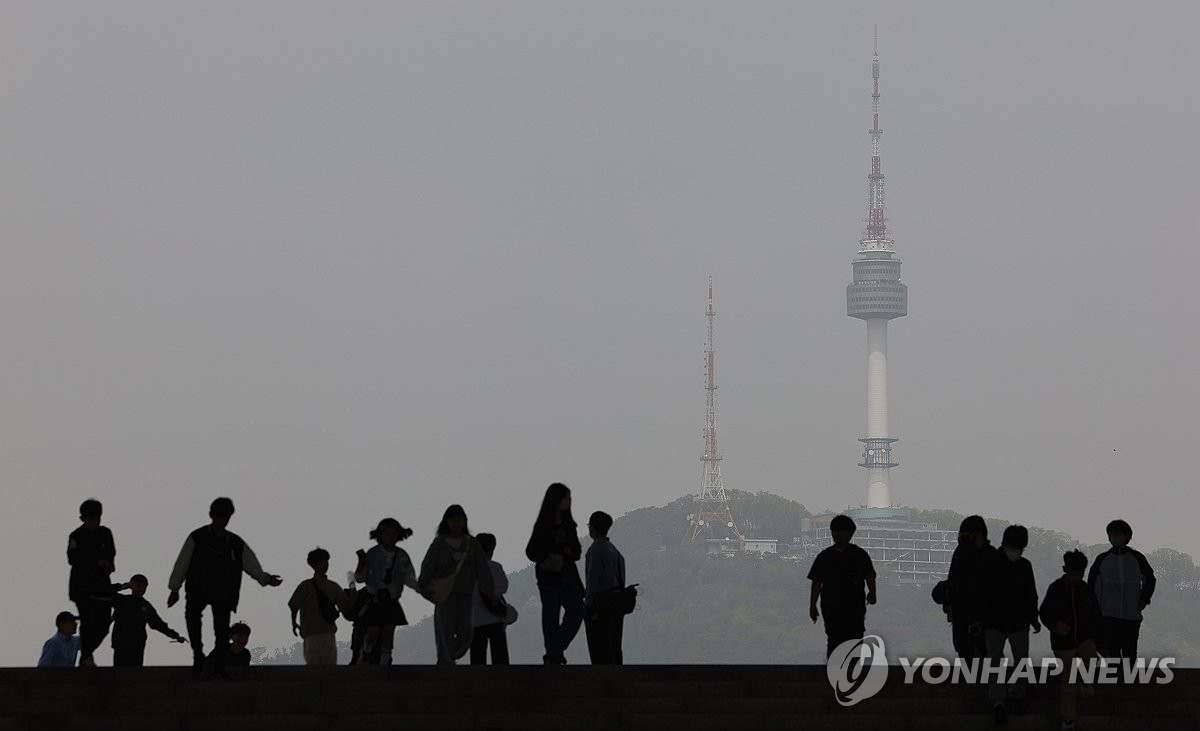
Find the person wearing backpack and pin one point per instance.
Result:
(316, 604)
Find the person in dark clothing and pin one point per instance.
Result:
(554, 548)
(130, 618)
(838, 575)
(1010, 609)
(605, 571)
(491, 629)
(1124, 583)
(1072, 614)
(210, 564)
(235, 654)
(91, 551)
(965, 588)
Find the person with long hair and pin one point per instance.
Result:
(384, 570)
(457, 561)
(554, 548)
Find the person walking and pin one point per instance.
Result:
(1072, 614)
(210, 566)
(316, 605)
(384, 571)
(1124, 584)
(554, 549)
(839, 574)
(91, 552)
(965, 588)
(454, 568)
(132, 615)
(1010, 609)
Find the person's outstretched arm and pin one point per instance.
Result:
(156, 623)
(254, 569)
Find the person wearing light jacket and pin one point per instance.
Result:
(1124, 583)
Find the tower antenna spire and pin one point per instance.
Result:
(712, 518)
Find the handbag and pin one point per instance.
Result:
(440, 589)
(510, 614)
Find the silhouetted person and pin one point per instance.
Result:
(455, 558)
(1124, 583)
(1010, 609)
(604, 568)
(489, 620)
(316, 604)
(965, 588)
(61, 650)
(1072, 615)
(133, 614)
(839, 574)
(384, 570)
(554, 548)
(91, 552)
(232, 656)
(210, 565)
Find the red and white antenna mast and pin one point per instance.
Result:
(712, 518)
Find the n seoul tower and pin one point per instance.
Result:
(876, 295)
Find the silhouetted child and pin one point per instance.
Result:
(235, 656)
(604, 570)
(1072, 615)
(1124, 583)
(91, 551)
(490, 627)
(132, 615)
(317, 603)
(61, 650)
(839, 574)
(965, 587)
(1010, 609)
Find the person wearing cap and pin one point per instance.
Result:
(132, 615)
(91, 551)
(61, 650)
(210, 567)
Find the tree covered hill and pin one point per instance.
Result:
(696, 608)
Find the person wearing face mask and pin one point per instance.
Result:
(1123, 582)
(1010, 609)
(965, 588)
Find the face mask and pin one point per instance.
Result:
(1012, 554)
(1118, 541)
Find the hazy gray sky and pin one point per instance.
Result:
(346, 260)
